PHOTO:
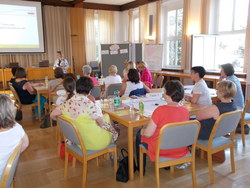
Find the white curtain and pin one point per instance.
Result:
(57, 37)
(106, 26)
(143, 23)
(247, 44)
(205, 16)
(130, 25)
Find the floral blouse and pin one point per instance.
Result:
(81, 105)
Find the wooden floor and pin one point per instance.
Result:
(40, 166)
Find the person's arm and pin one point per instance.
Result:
(56, 112)
(146, 87)
(66, 64)
(122, 91)
(25, 143)
(90, 97)
(37, 84)
(27, 86)
(194, 99)
(149, 130)
(51, 90)
(207, 113)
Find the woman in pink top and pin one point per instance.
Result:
(145, 73)
(86, 70)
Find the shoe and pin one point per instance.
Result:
(246, 129)
(167, 168)
(182, 166)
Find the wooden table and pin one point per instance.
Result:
(132, 120)
(40, 90)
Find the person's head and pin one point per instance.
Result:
(58, 72)
(13, 70)
(174, 90)
(20, 73)
(71, 75)
(226, 89)
(113, 69)
(59, 54)
(227, 69)
(86, 70)
(130, 65)
(133, 76)
(197, 72)
(69, 85)
(142, 66)
(84, 85)
(7, 112)
(137, 64)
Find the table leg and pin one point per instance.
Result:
(130, 153)
(39, 104)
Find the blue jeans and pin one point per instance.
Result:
(42, 103)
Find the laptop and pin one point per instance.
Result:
(44, 63)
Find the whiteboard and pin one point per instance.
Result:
(153, 56)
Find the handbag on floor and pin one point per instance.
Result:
(19, 115)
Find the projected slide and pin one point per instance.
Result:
(20, 30)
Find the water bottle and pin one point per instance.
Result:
(141, 107)
(46, 81)
(96, 76)
(117, 98)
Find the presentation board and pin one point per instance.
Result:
(21, 28)
(153, 56)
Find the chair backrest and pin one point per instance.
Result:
(16, 97)
(177, 135)
(247, 107)
(70, 131)
(226, 123)
(96, 92)
(137, 92)
(112, 87)
(158, 81)
(10, 168)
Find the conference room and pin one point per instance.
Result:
(88, 88)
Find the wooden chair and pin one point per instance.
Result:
(174, 135)
(245, 119)
(8, 173)
(96, 92)
(112, 87)
(72, 134)
(225, 124)
(18, 103)
(158, 81)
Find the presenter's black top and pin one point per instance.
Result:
(208, 124)
(24, 95)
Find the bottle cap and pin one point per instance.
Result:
(140, 100)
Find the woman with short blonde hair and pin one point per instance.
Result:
(226, 90)
(113, 77)
(128, 65)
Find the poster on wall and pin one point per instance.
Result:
(153, 56)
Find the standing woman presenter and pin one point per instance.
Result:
(61, 62)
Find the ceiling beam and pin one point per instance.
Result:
(135, 4)
(98, 6)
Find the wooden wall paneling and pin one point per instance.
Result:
(135, 4)
(98, 6)
(78, 39)
(36, 73)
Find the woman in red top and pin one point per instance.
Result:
(170, 113)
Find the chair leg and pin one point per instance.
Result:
(194, 174)
(243, 134)
(141, 163)
(171, 169)
(84, 174)
(232, 158)
(115, 162)
(74, 162)
(66, 164)
(157, 175)
(202, 154)
(210, 167)
(97, 161)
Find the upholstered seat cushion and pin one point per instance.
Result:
(217, 142)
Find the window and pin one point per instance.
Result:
(97, 38)
(172, 36)
(231, 26)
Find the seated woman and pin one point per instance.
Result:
(95, 128)
(26, 90)
(128, 65)
(112, 78)
(59, 75)
(200, 92)
(226, 91)
(133, 83)
(13, 71)
(146, 76)
(170, 113)
(86, 70)
(11, 133)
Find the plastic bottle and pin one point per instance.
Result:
(96, 76)
(141, 107)
(46, 81)
(117, 98)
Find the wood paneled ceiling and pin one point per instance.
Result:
(97, 5)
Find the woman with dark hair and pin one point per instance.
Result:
(11, 133)
(200, 92)
(59, 75)
(26, 90)
(13, 71)
(94, 127)
(133, 83)
(169, 113)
